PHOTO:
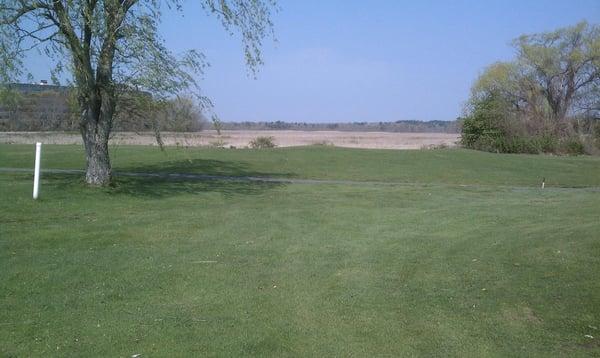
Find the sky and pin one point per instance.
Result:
(355, 61)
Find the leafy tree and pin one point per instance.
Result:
(112, 47)
(556, 74)
(565, 64)
(140, 112)
(537, 100)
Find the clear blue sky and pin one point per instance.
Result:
(363, 60)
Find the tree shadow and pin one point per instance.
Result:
(180, 177)
(160, 187)
(208, 167)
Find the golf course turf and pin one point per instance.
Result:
(457, 253)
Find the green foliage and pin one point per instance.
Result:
(533, 104)
(482, 132)
(122, 39)
(515, 145)
(262, 142)
(547, 143)
(563, 65)
(114, 46)
(573, 146)
(481, 129)
(9, 98)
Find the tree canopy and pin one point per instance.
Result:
(113, 46)
(556, 74)
(552, 84)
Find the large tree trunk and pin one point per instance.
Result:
(96, 124)
(98, 170)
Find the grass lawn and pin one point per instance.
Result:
(470, 258)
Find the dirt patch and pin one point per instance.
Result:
(240, 139)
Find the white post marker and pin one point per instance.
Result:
(36, 173)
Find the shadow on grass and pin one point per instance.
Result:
(204, 167)
(165, 186)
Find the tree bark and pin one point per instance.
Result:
(96, 124)
(98, 170)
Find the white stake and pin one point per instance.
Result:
(36, 174)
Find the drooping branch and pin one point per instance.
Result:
(114, 46)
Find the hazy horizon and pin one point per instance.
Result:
(348, 62)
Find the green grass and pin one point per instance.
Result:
(453, 166)
(216, 268)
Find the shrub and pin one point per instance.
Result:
(219, 143)
(596, 134)
(435, 146)
(323, 143)
(573, 146)
(548, 143)
(262, 142)
(517, 144)
(490, 126)
(481, 128)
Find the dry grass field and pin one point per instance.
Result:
(240, 139)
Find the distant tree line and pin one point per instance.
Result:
(25, 107)
(545, 101)
(54, 108)
(397, 126)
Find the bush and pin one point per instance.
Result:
(481, 129)
(596, 134)
(548, 143)
(219, 143)
(573, 146)
(262, 143)
(323, 143)
(530, 145)
(518, 144)
(490, 127)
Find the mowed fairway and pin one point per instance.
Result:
(462, 255)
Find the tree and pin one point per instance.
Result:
(181, 115)
(112, 47)
(565, 64)
(542, 98)
(555, 75)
